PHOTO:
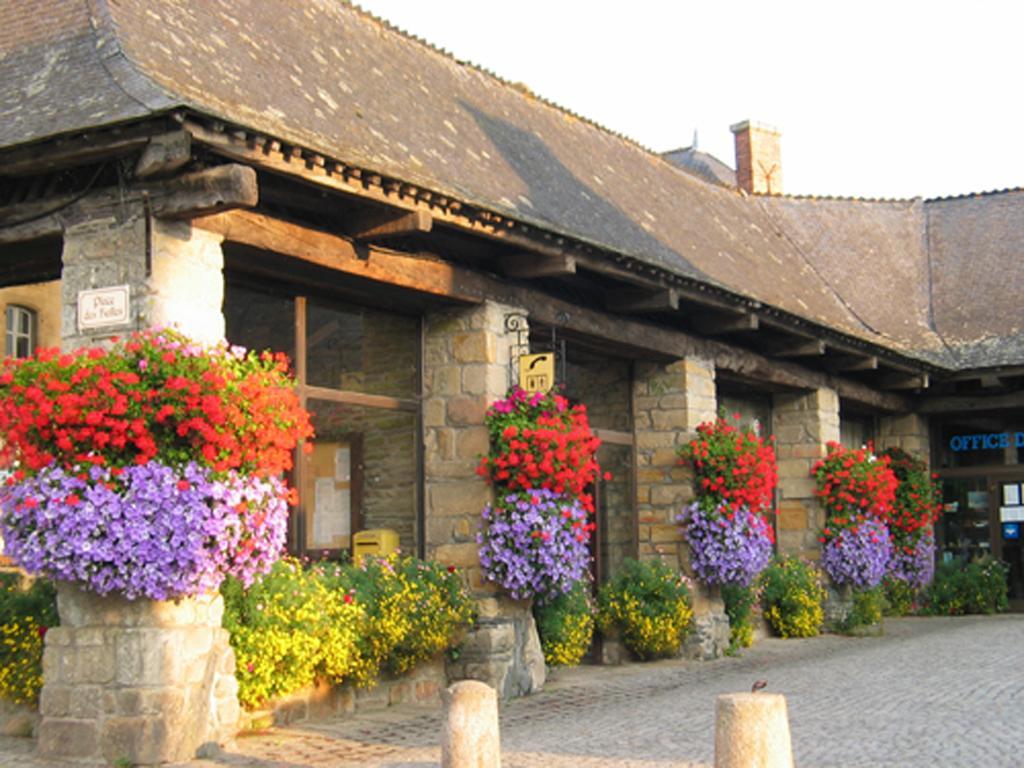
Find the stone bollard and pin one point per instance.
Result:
(469, 736)
(752, 731)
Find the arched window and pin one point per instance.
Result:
(21, 331)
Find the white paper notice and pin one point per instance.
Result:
(343, 464)
(331, 514)
(1011, 514)
(1011, 495)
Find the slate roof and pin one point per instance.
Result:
(703, 166)
(333, 79)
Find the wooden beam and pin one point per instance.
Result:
(340, 254)
(642, 300)
(715, 325)
(644, 340)
(903, 381)
(531, 265)
(852, 363)
(164, 155)
(396, 223)
(217, 189)
(798, 348)
(79, 151)
(967, 403)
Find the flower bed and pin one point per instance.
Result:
(792, 597)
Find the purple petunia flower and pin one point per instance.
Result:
(916, 568)
(726, 546)
(152, 531)
(858, 556)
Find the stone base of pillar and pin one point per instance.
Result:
(142, 681)
(503, 649)
(838, 604)
(709, 629)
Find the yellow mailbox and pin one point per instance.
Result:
(374, 541)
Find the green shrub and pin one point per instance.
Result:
(960, 588)
(901, 598)
(26, 612)
(739, 607)
(566, 626)
(649, 605)
(867, 610)
(340, 622)
(792, 596)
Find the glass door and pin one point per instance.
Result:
(965, 528)
(1010, 502)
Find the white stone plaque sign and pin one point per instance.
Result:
(103, 307)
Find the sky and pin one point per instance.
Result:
(874, 99)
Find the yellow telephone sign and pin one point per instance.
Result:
(537, 372)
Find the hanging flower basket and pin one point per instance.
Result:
(150, 469)
(727, 546)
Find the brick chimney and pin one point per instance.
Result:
(758, 158)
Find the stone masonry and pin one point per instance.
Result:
(173, 271)
(669, 402)
(908, 431)
(146, 681)
(803, 424)
(467, 368)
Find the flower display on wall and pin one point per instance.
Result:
(915, 508)
(728, 528)
(151, 468)
(727, 546)
(543, 462)
(857, 490)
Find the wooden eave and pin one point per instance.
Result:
(649, 291)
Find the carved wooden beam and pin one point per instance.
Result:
(164, 155)
(390, 224)
(530, 265)
(642, 300)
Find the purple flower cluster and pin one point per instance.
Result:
(726, 546)
(858, 555)
(534, 545)
(150, 531)
(917, 567)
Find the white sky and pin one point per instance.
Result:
(898, 98)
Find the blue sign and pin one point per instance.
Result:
(1011, 531)
(986, 442)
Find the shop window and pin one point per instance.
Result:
(754, 412)
(856, 430)
(358, 374)
(21, 331)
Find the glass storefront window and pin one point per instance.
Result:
(260, 320)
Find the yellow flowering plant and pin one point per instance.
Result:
(27, 611)
(648, 604)
(566, 626)
(792, 596)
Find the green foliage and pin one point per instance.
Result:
(960, 588)
(792, 596)
(340, 622)
(867, 610)
(566, 626)
(649, 604)
(900, 597)
(739, 607)
(26, 612)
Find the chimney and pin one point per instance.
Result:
(758, 158)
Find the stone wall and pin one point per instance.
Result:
(669, 402)
(908, 431)
(803, 424)
(466, 360)
(145, 681)
(174, 274)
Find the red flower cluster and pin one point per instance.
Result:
(732, 467)
(854, 483)
(540, 441)
(154, 396)
(917, 503)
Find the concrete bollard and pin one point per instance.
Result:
(469, 736)
(752, 731)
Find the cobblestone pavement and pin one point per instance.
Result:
(929, 693)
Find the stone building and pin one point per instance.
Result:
(403, 224)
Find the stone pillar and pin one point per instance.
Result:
(752, 729)
(145, 681)
(174, 274)
(669, 402)
(908, 431)
(466, 359)
(470, 736)
(803, 424)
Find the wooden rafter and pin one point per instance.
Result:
(715, 325)
(532, 265)
(642, 300)
(394, 223)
